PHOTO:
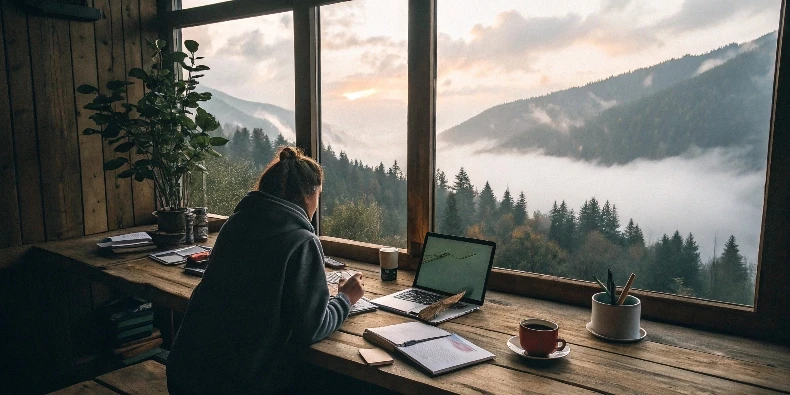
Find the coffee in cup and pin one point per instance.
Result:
(388, 259)
(539, 338)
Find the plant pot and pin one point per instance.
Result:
(171, 221)
(616, 322)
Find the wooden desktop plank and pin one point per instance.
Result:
(20, 84)
(147, 377)
(91, 154)
(10, 228)
(340, 353)
(111, 66)
(503, 317)
(645, 367)
(83, 250)
(85, 388)
(57, 127)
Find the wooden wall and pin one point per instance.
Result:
(52, 185)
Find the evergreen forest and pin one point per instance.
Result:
(368, 203)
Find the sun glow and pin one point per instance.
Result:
(359, 94)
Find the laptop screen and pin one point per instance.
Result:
(452, 264)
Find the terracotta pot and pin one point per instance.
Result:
(171, 221)
(616, 322)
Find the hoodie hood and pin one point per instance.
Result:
(267, 216)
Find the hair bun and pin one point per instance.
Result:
(287, 153)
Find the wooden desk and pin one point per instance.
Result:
(671, 359)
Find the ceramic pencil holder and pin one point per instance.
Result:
(618, 322)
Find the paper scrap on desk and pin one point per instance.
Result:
(433, 310)
(375, 356)
(128, 239)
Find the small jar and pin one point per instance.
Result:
(189, 236)
(201, 223)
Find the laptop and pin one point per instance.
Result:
(449, 265)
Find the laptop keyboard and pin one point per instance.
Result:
(418, 296)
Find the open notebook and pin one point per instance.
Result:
(431, 348)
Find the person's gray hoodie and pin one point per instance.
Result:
(262, 300)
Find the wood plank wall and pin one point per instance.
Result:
(52, 185)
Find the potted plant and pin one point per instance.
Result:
(615, 317)
(166, 129)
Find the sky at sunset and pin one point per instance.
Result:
(490, 52)
(497, 51)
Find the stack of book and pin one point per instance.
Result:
(130, 329)
(130, 242)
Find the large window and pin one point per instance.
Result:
(630, 137)
(665, 111)
(252, 85)
(363, 108)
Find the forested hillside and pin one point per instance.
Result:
(651, 113)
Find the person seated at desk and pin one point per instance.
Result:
(263, 297)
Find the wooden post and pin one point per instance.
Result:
(307, 84)
(421, 122)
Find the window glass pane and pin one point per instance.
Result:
(252, 85)
(632, 136)
(363, 109)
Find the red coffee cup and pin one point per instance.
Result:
(539, 337)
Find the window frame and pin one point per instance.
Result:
(767, 319)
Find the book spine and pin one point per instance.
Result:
(378, 340)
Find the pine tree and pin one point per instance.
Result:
(633, 235)
(262, 151)
(506, 206)
(691, 264)
(730, 280)
(280, 142)
(395, 171)
(452, 221)
(441, 179)
(240, 144)
(520, 212)
(589, 217)
(610, 222)
(486, 206)
(464, 197)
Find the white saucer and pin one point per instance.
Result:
(514, 345)
(642, 334)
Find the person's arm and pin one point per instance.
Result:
(314, 314)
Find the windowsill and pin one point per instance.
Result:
(686, 311)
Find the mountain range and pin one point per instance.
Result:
(720, 99)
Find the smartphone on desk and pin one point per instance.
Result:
(333, 264)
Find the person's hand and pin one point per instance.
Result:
(353, 288)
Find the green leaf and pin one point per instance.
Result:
(138, 73)
(126, 173)
(139, 177)
(97, 107)
(86, 89)
(214, 153)
(124, 147)
(218, 141)
(160, 44)
(116, 84)
(113, 164)
(191, 45)
(111, 131)
(142, 163)
(89, 131)
(151, 44)
(175, 57)
(202, 140)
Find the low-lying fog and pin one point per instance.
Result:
(704, 193)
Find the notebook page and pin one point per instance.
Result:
(446, 353)
(409, 332)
